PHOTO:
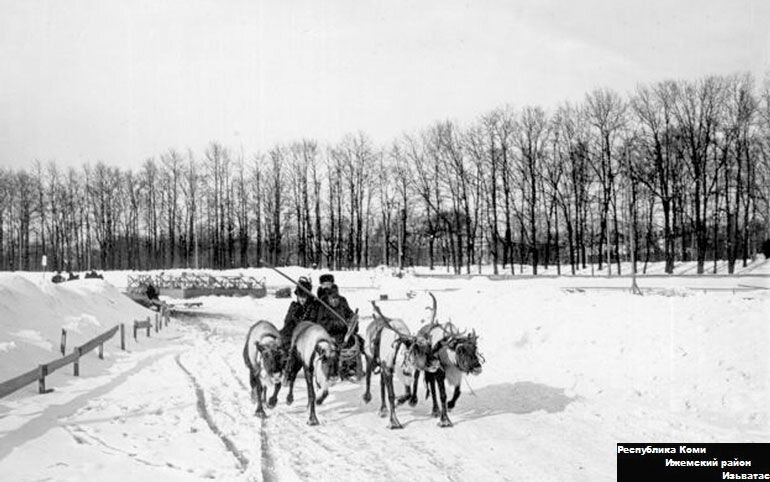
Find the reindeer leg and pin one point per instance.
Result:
(388, 376)
(451, 404)
(292, 378)
(274, 398)
(406, 396)
(383, 409)
(444, 422)
(260, 412)
(431, 380)
(368, 392)
(313, 420)
(253, 383)
(359, 363)
(323, 396)
(413, 398)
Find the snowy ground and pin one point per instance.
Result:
(573, 366)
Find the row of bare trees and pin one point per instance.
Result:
(675, 171)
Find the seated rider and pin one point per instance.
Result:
(331, 320)
(305, 308)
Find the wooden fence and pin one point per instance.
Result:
(42, 371)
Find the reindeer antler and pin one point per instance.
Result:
(433, 309)
(378, 312)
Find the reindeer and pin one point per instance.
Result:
(391, 347)
(263, 356)
(458, 355)
(313, 350)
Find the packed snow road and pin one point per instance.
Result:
(351, 443)
(568, 375)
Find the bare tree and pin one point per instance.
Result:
(531, 137)
(697, 112)
(606, 111)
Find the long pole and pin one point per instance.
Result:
(351, 326)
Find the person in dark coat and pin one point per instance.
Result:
(152, 295)
(329, 320)
(326, 281)
(305, 308)
(152, 292)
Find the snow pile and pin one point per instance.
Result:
(32, 316)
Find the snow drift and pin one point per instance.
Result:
(32, 316)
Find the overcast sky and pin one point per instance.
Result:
(121, 81)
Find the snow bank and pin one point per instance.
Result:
(32, 315)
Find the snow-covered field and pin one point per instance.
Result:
(573, 366)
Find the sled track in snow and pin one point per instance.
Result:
(203, 412)
(268, 465)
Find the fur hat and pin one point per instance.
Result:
(326, 278)
(304, 283)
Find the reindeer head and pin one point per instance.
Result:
(326, 360)
(469, 360)
(419, 353)
(272, 359)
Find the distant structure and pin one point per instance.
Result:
(193, 285)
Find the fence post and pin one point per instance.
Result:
(43, 371)
(77, 362)
(101, 351)
(135, 327)
(63, 341)
(149, 325)
(157, 318)
(122, 337)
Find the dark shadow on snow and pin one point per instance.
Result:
(514, 398)
(503, 398)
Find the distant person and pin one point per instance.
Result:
(152, 295)
(152, 292)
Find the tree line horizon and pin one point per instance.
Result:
(673, 171)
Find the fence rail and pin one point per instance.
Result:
(21, 381)
(43, 370)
